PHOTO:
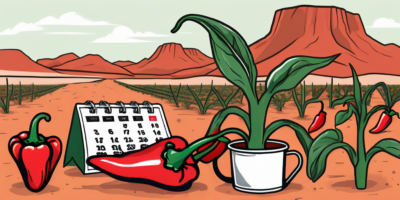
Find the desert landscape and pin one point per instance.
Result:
(314, 31)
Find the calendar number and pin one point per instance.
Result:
(143, 139)
(126, 132)
(116, 147)
(96, 132)
(110, 131)
(101, 147)
(128, 139)
(141, 132)
(99, 140)
(159, 139)
(101, 153)
(130, 146)
(156, 133)
(114, 140)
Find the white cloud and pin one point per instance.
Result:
(385, 23)
(21, 27)
(123, 34)
(70, 18)
(69, 33)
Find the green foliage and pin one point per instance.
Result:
(20, 94)
(224, 102)
(175, 97)
(302, 104)
(5, 103)
(203, 107)
(280, 99)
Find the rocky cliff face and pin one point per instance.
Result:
(48, 62)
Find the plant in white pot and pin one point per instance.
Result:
(258, 164)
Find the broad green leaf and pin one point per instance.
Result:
(342, 100)
(357, 90)
(220, 117)
(321, 147)
(390, 146)
(301, 132)
(293, 70)
(343, 115)
(230, 51)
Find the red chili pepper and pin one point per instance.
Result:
(384, 121)
(319, 120)
(35, 155)
(219, 149)
(149, 166)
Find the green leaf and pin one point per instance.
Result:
(376, 109)
(220, 98)
(313, 100)
(293, 70)
(369, 92)
(220, 117)
(343, 100)
(230, 51)
(343, 115)
(390, 146)
(321, 147)
(301, 132)
(357, 89)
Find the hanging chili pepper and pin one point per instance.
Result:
(35, 155)
(219, 147)
(384, 121)
(148, 166)
(319, 120)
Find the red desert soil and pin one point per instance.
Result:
(69, 183)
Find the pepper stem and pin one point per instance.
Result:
(34, 129)
(200, 155)
(174, 159)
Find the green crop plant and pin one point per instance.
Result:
(280, 99)
(224, 102)
(20, 94)
(175, 97)
(203, 107)
(32, 92)
(330, 140)
(302, 104)
(5, 103)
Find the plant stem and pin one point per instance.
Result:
(257, 124)
(361, 168)
(331, 94)
(360, 175)
(34, 129)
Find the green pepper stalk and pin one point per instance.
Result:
(235, 61)
(34, 137)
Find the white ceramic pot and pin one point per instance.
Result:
(260, 171)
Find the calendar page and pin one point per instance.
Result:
(113, 133)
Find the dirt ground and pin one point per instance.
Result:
(69, 183)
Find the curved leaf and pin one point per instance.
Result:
(301, 132)
(344, 115)
(390, 146)
(370, 90)
(376, 109)
(321, 147)
(220, 117)
(230, 52)
(357, 89)
(290, 72)
(342, 100)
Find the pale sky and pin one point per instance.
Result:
(133, 29)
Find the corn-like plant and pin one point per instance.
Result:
(280, 99)
(20, 94)
(175, 97)
(224, 102)
(5, 104)
(302, 104)
(203, 107)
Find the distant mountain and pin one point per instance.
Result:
(48, 62)
(93, 65)
(16, 60)
(169, 58)
(123, 63)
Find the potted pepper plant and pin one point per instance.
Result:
(330, 140)
(257, 162)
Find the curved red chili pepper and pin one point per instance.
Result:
(148, 166)
(384, 121)
(35, 155)
(220, 148)
(319, 120)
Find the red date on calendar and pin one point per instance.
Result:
(153, 118)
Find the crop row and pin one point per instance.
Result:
(209, 96)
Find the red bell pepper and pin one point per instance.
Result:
(149, 166)
(35, 155)
(218, 148)
(319, 120)
(384, 121)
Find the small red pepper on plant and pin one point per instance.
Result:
(319, 120)
(149, 166)
(384, 121)
(35, 155)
